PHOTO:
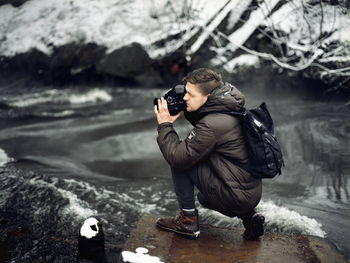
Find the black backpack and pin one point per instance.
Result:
(265, 155)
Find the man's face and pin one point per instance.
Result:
(193, 97)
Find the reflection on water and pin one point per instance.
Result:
(93, 152)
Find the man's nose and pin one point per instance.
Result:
(185, 97)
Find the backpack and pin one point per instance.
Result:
(265, 154)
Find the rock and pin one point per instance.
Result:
(220, 244)
(71, 59)
(64, 63)
(125, 62)
(12, 2)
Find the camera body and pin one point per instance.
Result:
(174, 98)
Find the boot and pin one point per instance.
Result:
(184, 224)
(254, 226)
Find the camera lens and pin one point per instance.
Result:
(169, 99)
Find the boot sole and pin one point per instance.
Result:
(258, 227)
(187, 235)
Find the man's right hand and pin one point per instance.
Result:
(162, 112)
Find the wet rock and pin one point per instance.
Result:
(12, 2)
(62, 66)
(72, 59)
(218, 244)
(125, 62)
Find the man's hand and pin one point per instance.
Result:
(162, 112)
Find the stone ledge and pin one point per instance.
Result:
(217, 244)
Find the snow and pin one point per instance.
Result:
(110, 23)
(240, 36)
(212, 26)
(140, 256)
(86, 230)
(304, 27)
(245, 60)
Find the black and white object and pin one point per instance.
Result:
(91, 241)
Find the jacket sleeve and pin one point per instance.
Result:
(184, 154)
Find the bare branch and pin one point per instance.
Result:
(310, 62)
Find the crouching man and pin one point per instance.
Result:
(202, 160)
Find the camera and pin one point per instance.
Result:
(174, 99)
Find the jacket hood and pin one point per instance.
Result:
(225, 98)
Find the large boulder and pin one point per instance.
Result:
(126, 62)
(71, 59)
(61, 66)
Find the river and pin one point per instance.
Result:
(71, 152)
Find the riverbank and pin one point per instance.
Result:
(155, 44)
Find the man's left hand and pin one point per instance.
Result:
(162, 112)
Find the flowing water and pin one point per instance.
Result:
(74, 152)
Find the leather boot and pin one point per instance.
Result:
(254, 225)
(184, 224)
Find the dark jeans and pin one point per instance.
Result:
(184, 182)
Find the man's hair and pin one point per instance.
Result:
(205, 78)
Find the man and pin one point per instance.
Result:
(203, 158)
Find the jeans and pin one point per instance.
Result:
(184, 183)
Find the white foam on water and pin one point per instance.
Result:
(31, 99)
(288, 221)
(277, 219)
(75, 205)
(4, 158)
(58, 114)
(92, 96)
(60, 97)
(140, 256)
(120, 199)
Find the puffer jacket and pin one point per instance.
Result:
(226, 187)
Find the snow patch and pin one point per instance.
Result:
(86, 230)
(140, 256)
(245, 60)
(305, 26)
(109, 23)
